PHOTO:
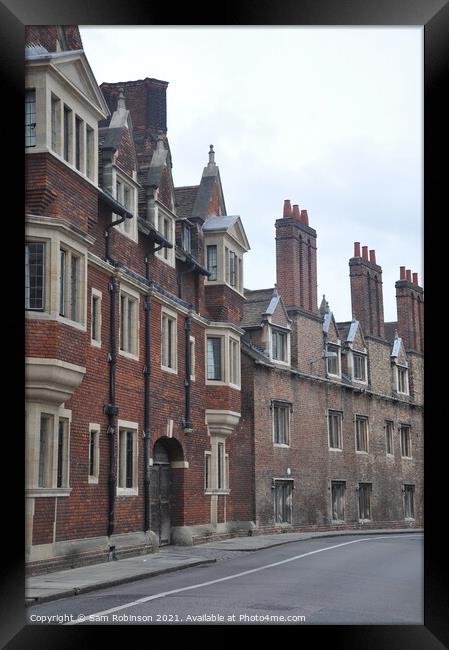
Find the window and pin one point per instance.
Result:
(361, 434)
(89, 152)
(30, 118)
(359, 361)
(79, 143)
(333, 362)
(125, 195)
(96, 318)
(94, 453)
(283, 502)
(62, 451)
(34, 275)
(129, 324)
(409, 501)
(279, 345)
(167, 234)
(168, 336)
(212, 262)
(56, 124)
(207, 470)
(192, 357)
(127, 460)
(45, 451)
(338, 492)
(69, 285)
(406, 441)
(67, 126)
(334, 419)
(402, 380)
(221, 484)
(389, 427)
(214, 365)
(281, 423)
(234, 362)
(232, 269)
(365, 501)
(186, 238)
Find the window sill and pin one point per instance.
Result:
(128, 355)
(282, 445)
(72, 323)
(338, 522)
(390, 456)
(48, 492)
(335, 448)
(407, 457)
(365, 521)
(92, 480)
(172, 371)
(217, 492)
(95, 344)
(363, 453)
(127, 492)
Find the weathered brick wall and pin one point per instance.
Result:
(224, 304)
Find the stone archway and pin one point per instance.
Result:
(167, 482)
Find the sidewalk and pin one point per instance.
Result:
(71, 582)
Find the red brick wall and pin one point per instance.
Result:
(410, 309)
(367, 295)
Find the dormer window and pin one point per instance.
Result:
(359, 372)
(280, 345)
(333, 360)
(225, 244)
(402, 379)
(125, 194)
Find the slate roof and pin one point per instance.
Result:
(219, 223)
(390, 329)
(185, 200)
(343, 329)
(256, 305)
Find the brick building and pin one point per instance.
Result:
(164, 402)
(336, 408)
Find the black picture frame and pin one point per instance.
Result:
(433, 15)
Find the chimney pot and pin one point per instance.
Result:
(415, 278)
(365, 252)
(402, 272)
(372, 256)
(408, 275)
(305, 217)
(296, 213)
(356, 249)
(287, 208)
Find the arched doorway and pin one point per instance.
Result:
(166, 452)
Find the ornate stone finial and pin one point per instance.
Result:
(324, 307)
(275, 290)
(160, 142)
(396, 335)
(211, 155)
(121, 104)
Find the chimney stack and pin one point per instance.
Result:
(296, 263)
(410, 309)
(366, 291)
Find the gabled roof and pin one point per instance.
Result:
(158, 162)
(348, 331)
(74, 67)
(260, 304)
(185, 200)
(232, 225)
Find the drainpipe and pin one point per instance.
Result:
(146, 406)
(111, 409)
(186, 421)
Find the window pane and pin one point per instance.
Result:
(129, 459)
(123, 307)
(220, 468)
(62, 282)
(45, 451)
(55, 123)
(62, 453)
(92, 453)
(214, 359)
(212, 262)
(34, 275)
(67, 126)
(90, 151)
(74, 288)
(78, 141)
(30, 118)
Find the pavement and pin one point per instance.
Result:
(71, 582)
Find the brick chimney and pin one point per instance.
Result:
(366, 291)
(296, 262)
(146, 100)
(54, 37)
(410, 308)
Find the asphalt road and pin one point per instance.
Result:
(348, 581)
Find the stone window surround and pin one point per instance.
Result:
(289, 406)
(360, 353)
(405, 425)
(404, 491)
(165, 311)
(387, 422)
(331, 483)
(34, 410)
(48, 80)
(340, 413)
(370, 494)
(215, 439)
(135, 296)
(55, 238)
(358, 417)
(161, 212)
(93, 479)
(97, 294)
(225, 335)
(134, 427)
(283, 330)
(334, 344)
(130, 182)
(222, 241)
(396, 366)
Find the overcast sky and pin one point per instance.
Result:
(330, 118)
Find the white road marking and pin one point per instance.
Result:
(146, 599)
